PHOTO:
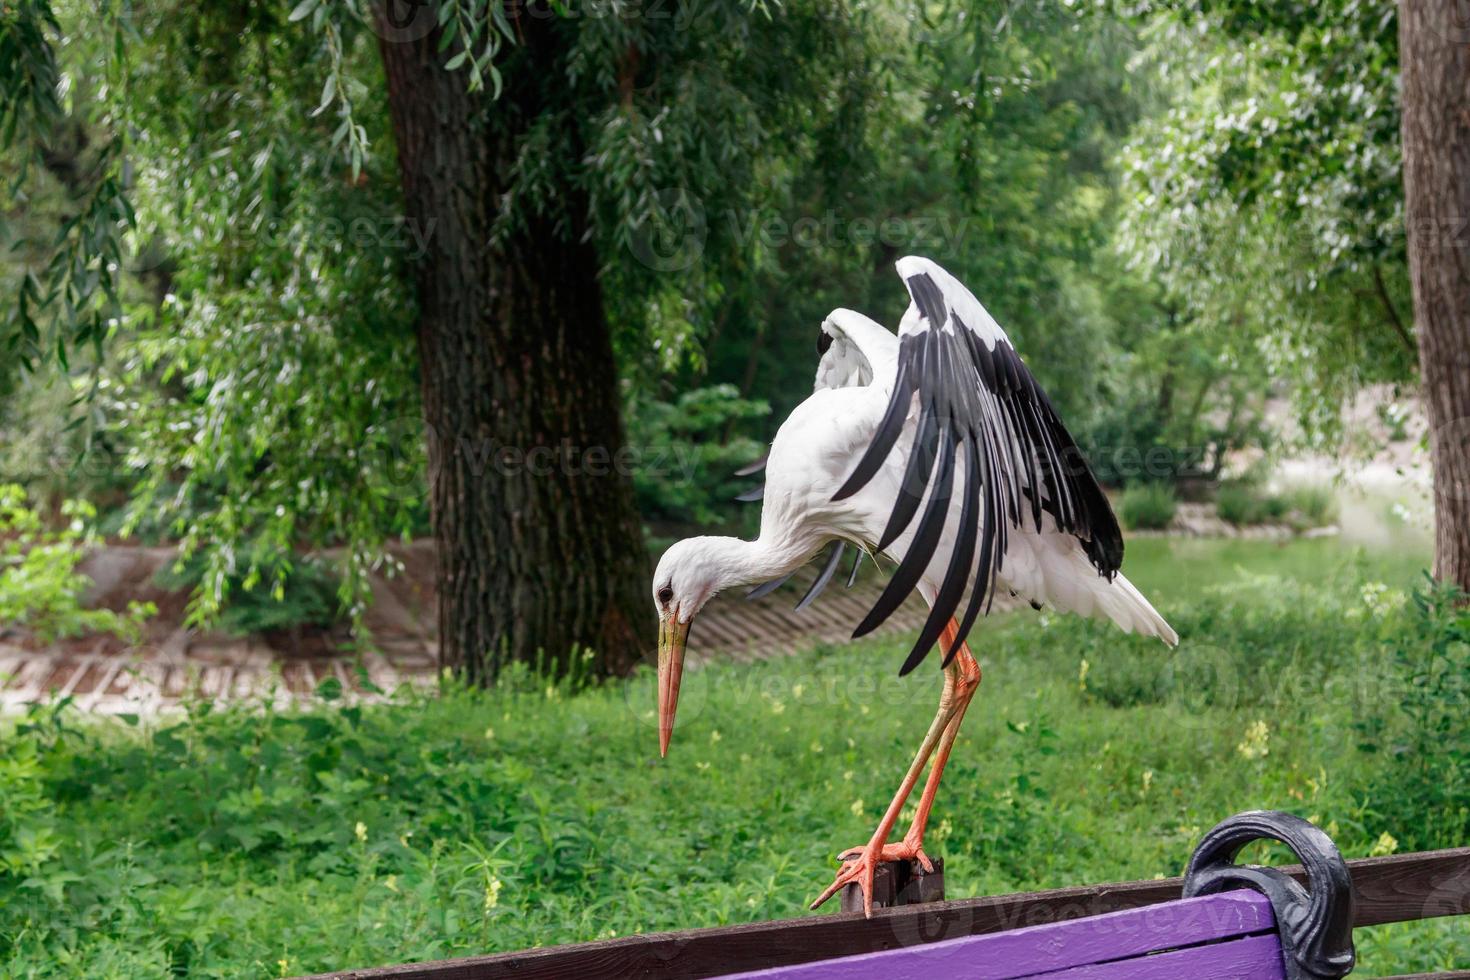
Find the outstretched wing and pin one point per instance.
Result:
(979, 407)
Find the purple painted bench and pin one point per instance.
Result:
(1228, 935)
(1236, 921)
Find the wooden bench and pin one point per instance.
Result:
(1219, 921)
(1234, 921)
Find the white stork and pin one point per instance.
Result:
(943, 423)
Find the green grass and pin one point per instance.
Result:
(256, 842)
(1149, 505)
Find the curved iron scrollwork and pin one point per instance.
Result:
(1315, 922)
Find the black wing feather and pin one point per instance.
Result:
(828, 570)
(766, 588)
(931, 526)
(1020, 463)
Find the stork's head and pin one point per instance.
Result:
(689, 574)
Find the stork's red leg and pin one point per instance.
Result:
(911, 848)
(961, 678)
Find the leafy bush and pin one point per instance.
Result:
(40, 587)
(685, 458)
(1243, 502)
(1309, 506)
(1148, 505)
(308, 594)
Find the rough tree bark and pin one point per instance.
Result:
(1434, 54)
(540, 548)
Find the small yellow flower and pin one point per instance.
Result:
(489, 734)
(796, 690)
(701, 766)
(816, 748)
(1148, 780)
(1384, 846)
(847, 775)
(492, 893)
(391, 883)
(361, 831)
(1082, 675)
(856, 808)
(777, 707)
(1255, 744)
(285, 966)
(714, 736)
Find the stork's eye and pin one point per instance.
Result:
(665, 595)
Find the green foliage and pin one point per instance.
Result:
(685, 459)
(307, 594)
(1245, 502)
(1309, 506)
(259, 394)
(1148, 505)
(28, 839)
(68, 280)
(1266, 195)
(40, 587)
(250, 840)
(1424, 735)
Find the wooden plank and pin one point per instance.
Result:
(1398, 888)
(1046, 950)
(1408, 887)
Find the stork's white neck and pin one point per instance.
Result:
(735, 562)
(696, 569)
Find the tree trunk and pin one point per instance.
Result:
(1434, 52)
(540, 549)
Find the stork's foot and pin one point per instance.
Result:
(859, 869)
(860, 864)
(908, 849)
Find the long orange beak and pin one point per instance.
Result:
(671, 637)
